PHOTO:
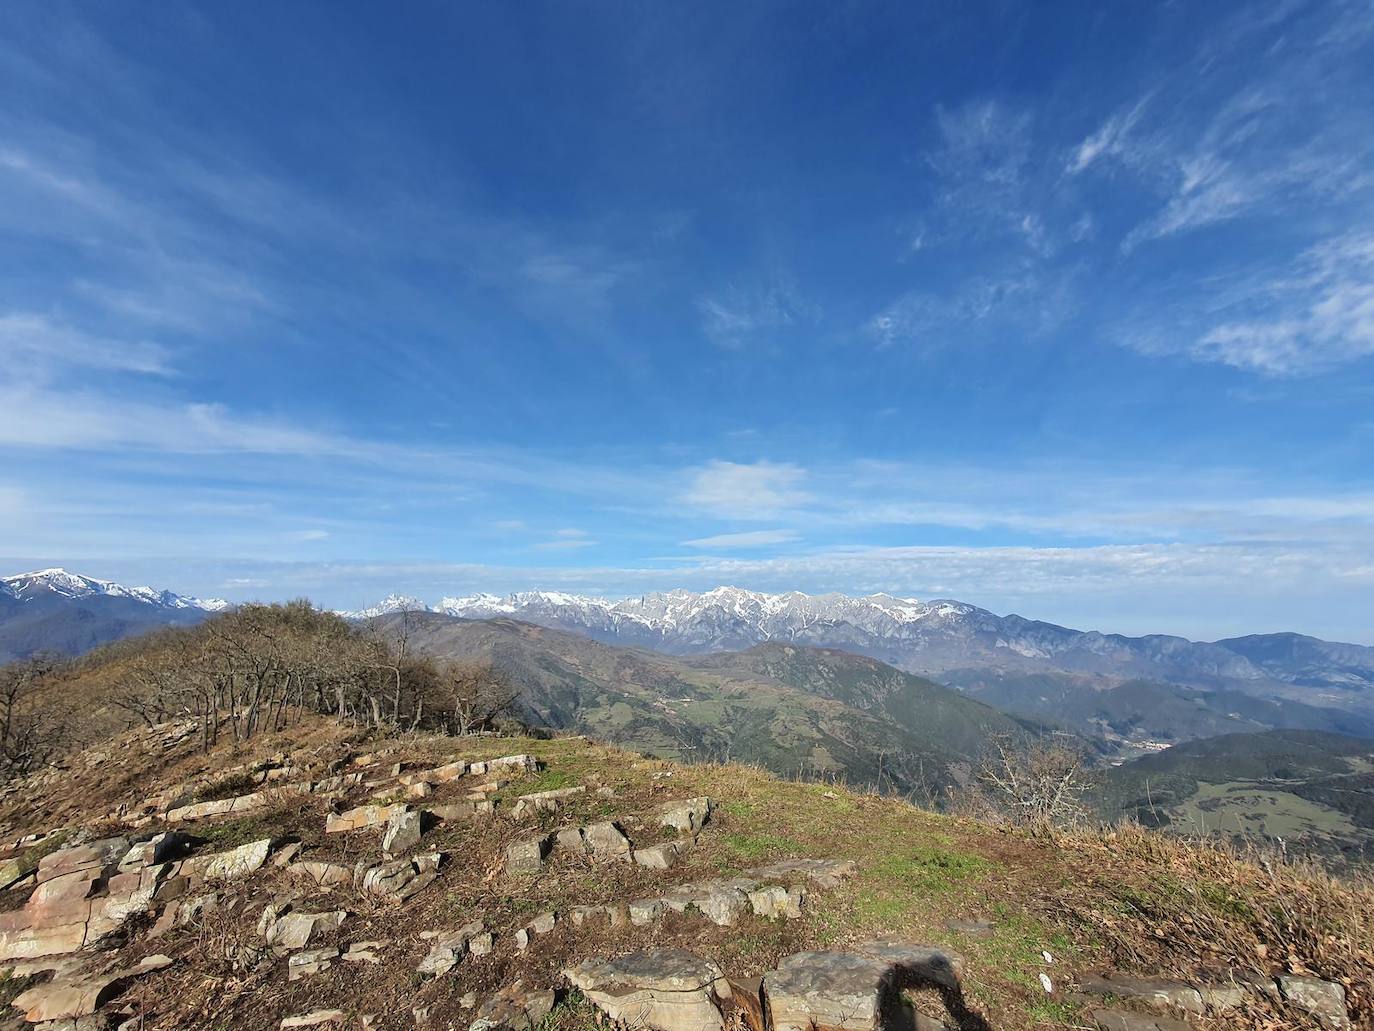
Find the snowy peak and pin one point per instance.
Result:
(721, 617)
(60, 583)
(921, 636)
(390, 604)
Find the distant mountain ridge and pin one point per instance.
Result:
(53, 610)
(929, 637)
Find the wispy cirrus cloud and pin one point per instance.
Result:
(738, 317)
(39, 417)
(1112, 138)
(1303, 319)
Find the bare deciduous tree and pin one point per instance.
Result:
(31, 731)
(476, 696)
(1038, 784)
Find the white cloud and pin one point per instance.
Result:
(309, 535)
(746, 539)
(35, 344)
(567, 540)
(753, 491)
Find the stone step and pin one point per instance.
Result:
(670, 989)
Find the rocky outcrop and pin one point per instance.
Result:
(402, 878)
(449, 948)
(286, 929)
(1150, 990)
(86, 893)
(673, 990)
(659, 989)
(686, 817)
(544, 801)
(1325, 1000)
(824, 873)
(70, 998)
(515, 1008)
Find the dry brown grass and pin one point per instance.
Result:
(1183, 906)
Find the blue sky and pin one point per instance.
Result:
(1062, 309)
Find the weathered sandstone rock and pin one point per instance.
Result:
(659, 989)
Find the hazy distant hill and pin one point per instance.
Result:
(1302, 786)
(791, 709)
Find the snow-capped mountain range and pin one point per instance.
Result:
(957, 643)
(931, 637)
(46, 583)
(54, 610)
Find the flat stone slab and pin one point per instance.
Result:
(973, 927)
(1153, 991)
(1125, 1020)
(913, 965)
(545, 801)
(828, 989)
(314, 1019)
(230, 865)
(361, 818)
(858, 990)
(825, 873)
(659, 989)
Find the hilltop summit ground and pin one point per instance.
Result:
(322, 874)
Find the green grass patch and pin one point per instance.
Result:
(901, 883)
(928, 868)
(739, 810)
(1051, 1011)
(1015, 948)
(757, 846)
(547, 779)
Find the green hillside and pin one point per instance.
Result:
(795, 711)
(1311, 789)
